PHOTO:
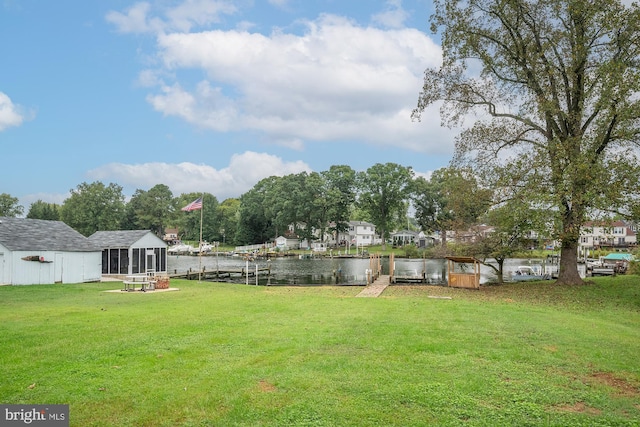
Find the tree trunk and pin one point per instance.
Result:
(569, 274)
(500, 272)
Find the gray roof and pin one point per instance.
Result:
(118, 238)
(23, 234)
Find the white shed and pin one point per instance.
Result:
(35, 251)
(131, 252)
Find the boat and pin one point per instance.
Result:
(524, 273)
(205, 248)
(610, 265)
(180, 249)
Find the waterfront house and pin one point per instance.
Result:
(612, 235)
(35, 251)
(126, 252)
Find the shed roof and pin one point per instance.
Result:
(117, 238)
(25, 234)
(463, 259)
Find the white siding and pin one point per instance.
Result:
(5, 278)
(59, 267)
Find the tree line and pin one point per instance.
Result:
(309, 204)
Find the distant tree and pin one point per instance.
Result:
(9, 206)
(43, 210)
(383, 192)
(450, 200)
(431, 210)
(189, 223)
(295, 201)
(93, 207)
(254, 225)
(340, 195)
(229, 214)
(558, 91)
(151, 210)
(513, 223)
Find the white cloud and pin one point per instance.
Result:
(243, 172)
(10, 114)
(142, 18)
(393, 17)
(310, 87)
(334, 81)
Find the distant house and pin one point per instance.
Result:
(286, 243)
(171, 236)
(131, 252)
(34, 251)
(611, 235)
(363, 233)
(404, 237)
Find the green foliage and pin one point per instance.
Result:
(43, 210)
(94, 207)
(151, 210)
(9, 206)
(558, 102)
(189, 222)
(255, 224)
(228, 212)
(450, 200)
(410, 251)
(383, 191)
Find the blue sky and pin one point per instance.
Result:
(210, 95)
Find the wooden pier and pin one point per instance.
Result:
(220, 274)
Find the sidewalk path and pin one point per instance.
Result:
(376, 288)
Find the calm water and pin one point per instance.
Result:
(342, 271)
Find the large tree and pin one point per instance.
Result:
(384, 189)
(556, 84)
(255, 225)
(93, 207)
(340, 195)
(9, 206)
(228, 212)
(151, 210)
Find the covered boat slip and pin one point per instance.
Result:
(463, 272)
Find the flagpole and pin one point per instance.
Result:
(200, 251)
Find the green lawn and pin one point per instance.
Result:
(234, 355)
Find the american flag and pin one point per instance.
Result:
(194, 206)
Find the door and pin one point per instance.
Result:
(151, 261)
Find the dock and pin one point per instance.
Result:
(219, 273)
(376, 288)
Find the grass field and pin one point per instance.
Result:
(234, 355)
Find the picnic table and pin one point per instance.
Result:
(145, 282)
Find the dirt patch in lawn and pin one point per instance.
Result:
(623, 387)
(579, 408)
(266, 387)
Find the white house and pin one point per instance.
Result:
(286, 243)
(35, 251)
(612, 234)
(131, 252)
(360, 233)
